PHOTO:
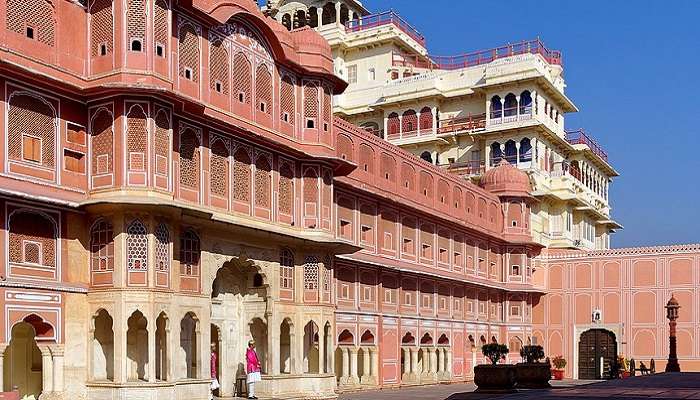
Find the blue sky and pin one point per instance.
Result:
(633, 69)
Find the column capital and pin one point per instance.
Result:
(57, 350)
(45, 349)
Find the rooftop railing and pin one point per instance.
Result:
(385, 18)
(579, 136)
(479, 57)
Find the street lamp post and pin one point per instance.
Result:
(672, 314)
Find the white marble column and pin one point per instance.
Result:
(366, 373)
(448, 367)
(414, 362)
(345, 372)
(337, 13)
(433, 361)
(151, 339)
(57, 353)
(374, 364)
(46, 370)
(440, 361)
(321, 350)
(426, 361)
(319, 13)
(353, 364)
(406, 360)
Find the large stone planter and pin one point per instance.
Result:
(533, 375)
(495, 378)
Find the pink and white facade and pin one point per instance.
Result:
(172, 177)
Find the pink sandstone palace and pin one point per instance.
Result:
(177, 174)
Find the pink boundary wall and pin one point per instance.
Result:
(630, 288)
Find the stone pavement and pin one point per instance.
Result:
(669, 386)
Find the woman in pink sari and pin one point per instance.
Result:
(252, 368)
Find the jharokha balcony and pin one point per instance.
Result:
(385, 18)
(478, 57)
(579, 136)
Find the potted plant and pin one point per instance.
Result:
(493, 377)
(559, 364)
(624, 366)
(532, 373)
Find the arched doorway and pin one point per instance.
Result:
(23, 363)
(597, 349)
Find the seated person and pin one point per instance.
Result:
(643, 368)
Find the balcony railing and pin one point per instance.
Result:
(479, 57)
(469, 123)
(579, 136)
(385, 18)
(510, 114)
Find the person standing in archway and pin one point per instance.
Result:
(214, 367)
(252, 368)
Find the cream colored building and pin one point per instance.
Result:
(468, 112)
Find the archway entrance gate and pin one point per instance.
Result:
(597, 350)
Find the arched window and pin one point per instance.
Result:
(189, 253)
(496, 107)
(263, 89)
(409, 122)
(286, 269)
(286, 189)
(101, 246)
(102, 142)
(160, 28)
(427, 156)
(101, 27)
(241, 175)
(525, 150)
(328, 16)
(511, 152)
(162, 236)
(137, 138)
(188, 49)
(263, 181)
(31, 130)
(189, 159)
(300, 19)
(287, 100)
(393, 124)
(311, 105)
(162, 143)
(219, 168)
(525, 102)
(33, 19)
(496, 153)
(32, 239)
(287, 21)
(136, 24)
(258, 280)
(344, 13)
(136, 246)
(218, 68)
(311, 273)
(510, 106)
(426, 119)
(313, 17)
(242, 79)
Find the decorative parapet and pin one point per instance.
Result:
(628, 251)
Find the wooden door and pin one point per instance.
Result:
(596, 345)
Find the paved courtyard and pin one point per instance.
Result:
(660, 386)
